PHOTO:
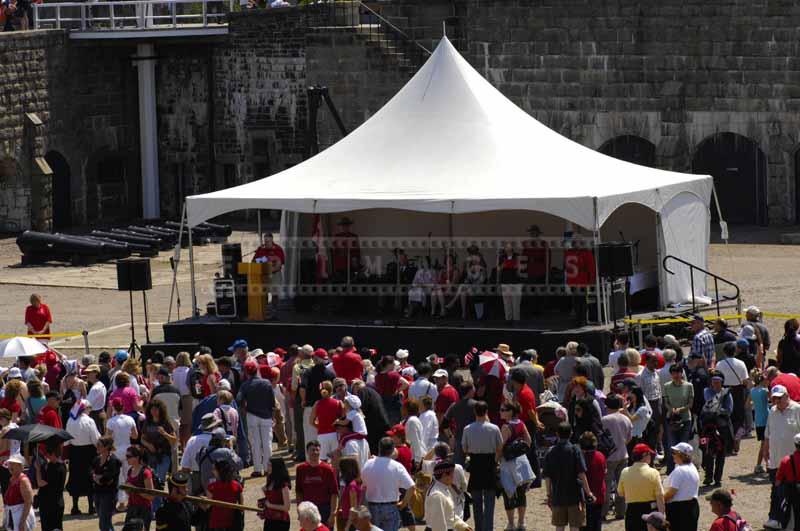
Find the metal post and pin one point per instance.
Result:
(195, 312)
(148, 130)
(85, 335)
(691, 281)
(177, 262)
(111, 14)
(596, 236)
(716, 295)
(260, 235)
(205, 14)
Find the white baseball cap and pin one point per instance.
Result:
(683, 448)
(440, 373)
(224, 385)
(778, 390)
(401, 354)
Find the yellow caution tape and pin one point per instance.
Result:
(708, 318)
(61, 334)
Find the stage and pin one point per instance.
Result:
(422, 336)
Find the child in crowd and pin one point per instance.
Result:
(759, 395)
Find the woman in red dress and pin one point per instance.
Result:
(38, 318)
(226, 489)
(277, 496)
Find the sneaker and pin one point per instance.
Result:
(256, 474)
(660, 457)
(772, 524)
(759, 469)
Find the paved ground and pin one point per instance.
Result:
(766, 273)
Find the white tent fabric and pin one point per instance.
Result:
(449, 142)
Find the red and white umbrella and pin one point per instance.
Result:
(492, 365)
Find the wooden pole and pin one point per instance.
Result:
(194, 499)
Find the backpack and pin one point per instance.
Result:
(226, 426)
(417, 503)
(605, 443)
(712, 410)
(193, 381)
(740, 523)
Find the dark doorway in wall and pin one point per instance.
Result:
(113, 187)
(631, 148)
(739, 168)
(62, 190)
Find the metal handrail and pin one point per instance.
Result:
(393, 27)
(85, 13)
(716, 278)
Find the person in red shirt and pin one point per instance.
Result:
(788, 380)
(596, 476)
(49, 415)
(226, 489)
(271, 252)
(309, 517)
(404, 455)
(526, 399)
(316, 483)
(139, 505)
(38, 318)
(789, 472)
(623, 373)
(722, 506)
(324, 412)
(347, 364)
(448, 395)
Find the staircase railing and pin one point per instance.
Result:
(717, 280)
(371, 24)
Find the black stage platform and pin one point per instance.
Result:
(421, 336)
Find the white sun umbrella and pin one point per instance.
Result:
(21, 346)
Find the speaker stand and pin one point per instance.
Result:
(146, 320)
(133, 348)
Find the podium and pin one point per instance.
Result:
(258, 282)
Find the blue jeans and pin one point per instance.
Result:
(483, 505)
(385, 516)
(161, 466)
(104, 503)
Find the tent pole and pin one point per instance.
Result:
(176, 263)
(596, 234)
(258, 219)
(195, 312)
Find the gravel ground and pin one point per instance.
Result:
(765, 273)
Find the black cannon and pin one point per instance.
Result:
(39, 247)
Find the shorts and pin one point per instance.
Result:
(568, 515)
(760, 432)
(517, 500)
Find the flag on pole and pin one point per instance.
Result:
(322, 251)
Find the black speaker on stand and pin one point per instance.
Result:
(615, 261)
(231, 258)
(133, 274)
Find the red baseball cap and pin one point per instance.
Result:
(250, 366)
(397, 429)
(321, 353)
(642, 448)
(279, 351)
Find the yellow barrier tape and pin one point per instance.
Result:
(781, 315)
(60, 334)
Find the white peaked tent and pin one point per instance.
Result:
(449, 142)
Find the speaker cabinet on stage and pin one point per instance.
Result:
(616, 309)
(616, 259)
(133, 274)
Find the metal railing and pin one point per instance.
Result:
(372, 26)
(130, 14)
(717, 280)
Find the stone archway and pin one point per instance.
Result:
(631, 148)
(739, 168)
(62, 190)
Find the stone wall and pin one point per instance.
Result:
(85, 97)
(674, 72)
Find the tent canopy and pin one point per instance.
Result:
(450, 142)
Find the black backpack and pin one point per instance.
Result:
(712, 411)
(605, 442)
(192, 380)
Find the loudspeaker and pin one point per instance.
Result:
(616, 259)
(231, 258)
(133, 274)
(225, 298)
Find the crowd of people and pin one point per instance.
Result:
(381, 443)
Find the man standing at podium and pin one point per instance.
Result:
(272, 253)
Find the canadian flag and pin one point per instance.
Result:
(322, 252)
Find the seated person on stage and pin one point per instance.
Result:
(346, 251)
(421, 287)
(443, 279)
(473, 281)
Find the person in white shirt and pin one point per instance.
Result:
(422, 386)
(736, 377)
(620, 345)
(96, 396)
(82, 451)
(414, 431)
(664, 376)
(193, 447)
(441, 452)
(351, 443)
(680, 492)
(783, 423)
(440, 512)
(430, 424)
(384, 477)
(352, 407)
(180, 376)
(122, 428)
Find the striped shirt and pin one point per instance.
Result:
(703, 343)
